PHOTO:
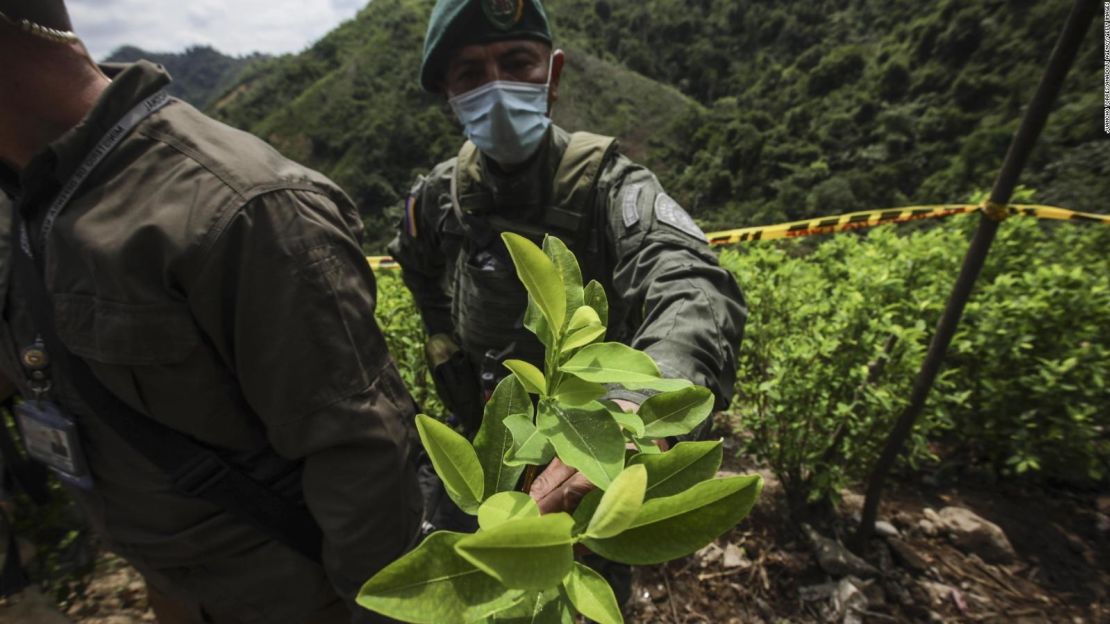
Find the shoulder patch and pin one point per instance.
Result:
(630, 198)
(668, 211)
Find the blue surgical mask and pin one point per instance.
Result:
(506, 120)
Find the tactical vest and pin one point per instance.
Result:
(488, 300)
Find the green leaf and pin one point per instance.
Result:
(620, 504)
(537, 324)
(433, 584)
(530, 447)
(584, 513)
(585, 438)
(528, 375)
(629, 421)
(594, 296)
(527, 553)
(574, 391)
(504, 506)
(546, 607)
(613, 362)
(676, 413)
(590, 593)
(540, 278)
(455, 462)
(494, 439)
(567, 266)
(647, 446)
(680, 468)
(675, 526)
(584, 336)
(583, 328)
(583, 317)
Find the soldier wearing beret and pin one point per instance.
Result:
(494, 62)
(190, 321)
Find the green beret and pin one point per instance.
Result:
(456, 23)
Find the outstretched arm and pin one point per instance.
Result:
(683, 308)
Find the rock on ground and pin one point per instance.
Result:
(976, 535)
(834, 558)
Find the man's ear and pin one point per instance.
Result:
(557, 60)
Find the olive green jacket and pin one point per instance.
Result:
(219, 288)
(667, 293)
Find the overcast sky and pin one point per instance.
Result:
(231, 26)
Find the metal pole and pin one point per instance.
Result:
(1063, 55)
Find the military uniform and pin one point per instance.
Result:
(218, 288)
(667, 294)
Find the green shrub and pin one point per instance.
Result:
(1024, 388)
(817, 320)
(404, 335)
(1029, 388)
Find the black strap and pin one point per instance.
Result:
(194, 469)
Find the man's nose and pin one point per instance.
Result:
(493, 70)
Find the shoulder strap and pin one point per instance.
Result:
(576, 180)
(477, 230)
(578, 172)
(194, 469)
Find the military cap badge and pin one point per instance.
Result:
(503, 14)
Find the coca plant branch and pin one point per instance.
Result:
(649, 507)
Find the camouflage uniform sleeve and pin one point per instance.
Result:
(417, 249)
(684, 309)
(286, 297)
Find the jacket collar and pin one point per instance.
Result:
(130, 85)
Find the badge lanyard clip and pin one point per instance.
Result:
(36, 366)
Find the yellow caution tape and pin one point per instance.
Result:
(861, 220)
(871, 218)
(841, 223)
(382, 262)
(1059, 214)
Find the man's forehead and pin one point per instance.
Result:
(479, 52)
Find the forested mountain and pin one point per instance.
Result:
(750, 112)
(200, 73)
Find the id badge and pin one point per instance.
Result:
(51, 438)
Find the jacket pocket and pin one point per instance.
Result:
(125, 334)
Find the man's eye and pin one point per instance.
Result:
(467, 77)
(518, 69)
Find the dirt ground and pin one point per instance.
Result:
(765, 572)
(1061, 573)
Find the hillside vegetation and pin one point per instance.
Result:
(200, 73)
(749, 112)
(828, 106)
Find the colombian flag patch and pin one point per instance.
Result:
(410, 216)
